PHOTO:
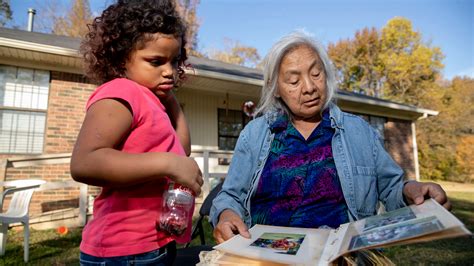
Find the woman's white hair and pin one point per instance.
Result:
(268, 100)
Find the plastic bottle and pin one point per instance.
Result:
(177, 205)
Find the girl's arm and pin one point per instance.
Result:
(178, 120)
(96, 161)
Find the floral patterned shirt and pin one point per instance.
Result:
(299, 185)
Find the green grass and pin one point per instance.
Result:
(46, 248)
(49, 248)
(457, 251)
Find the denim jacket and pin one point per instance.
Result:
(366, 171)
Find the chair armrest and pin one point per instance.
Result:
(14, 189)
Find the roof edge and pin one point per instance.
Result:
(224, 76)
(57, 50)
(390, 105)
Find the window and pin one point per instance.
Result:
(231, 122)
(377, 122)
(23, 105)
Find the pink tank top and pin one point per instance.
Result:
(124, 220)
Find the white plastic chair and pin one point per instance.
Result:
(17, 212)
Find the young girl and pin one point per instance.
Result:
(134, 140)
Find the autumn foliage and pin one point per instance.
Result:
(391, 63)
(445, 142)
(74, 23)
(394, 63)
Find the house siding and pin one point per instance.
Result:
(200, 109)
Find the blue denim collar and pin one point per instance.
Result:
(335, 114)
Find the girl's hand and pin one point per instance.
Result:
(229, 225)
(187, 173)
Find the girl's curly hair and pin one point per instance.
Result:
(123, 27)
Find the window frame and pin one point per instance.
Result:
(244, 119)
(33, 148)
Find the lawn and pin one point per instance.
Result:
(47, 247)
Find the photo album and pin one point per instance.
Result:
(302, 246)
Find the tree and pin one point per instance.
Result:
(461, 111)
(188, 11)
(357, 63)
(5, 12)
(445, 141)
(392, 63)
(75, 22)
(465, 157)
(236, 53)
(408, 65)
(435, 139)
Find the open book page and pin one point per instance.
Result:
(286, 245)
(415, 223)
(334, 244)
(302, 246)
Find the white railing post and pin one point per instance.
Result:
(205, 175)
(82, 204)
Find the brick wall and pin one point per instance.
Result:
(68, 95)
(399, 143)
(66, 109)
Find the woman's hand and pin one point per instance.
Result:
(229, 225)
(416, 193)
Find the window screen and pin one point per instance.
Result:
(23, 105)
(231, 122)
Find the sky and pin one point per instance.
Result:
(447, 24)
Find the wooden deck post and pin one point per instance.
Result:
(3, 173)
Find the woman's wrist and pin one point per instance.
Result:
(405, 191)
(227, 214)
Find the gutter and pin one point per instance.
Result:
(223, 76)
(425, 112)
(37, 47)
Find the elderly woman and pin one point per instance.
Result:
(303, 162)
